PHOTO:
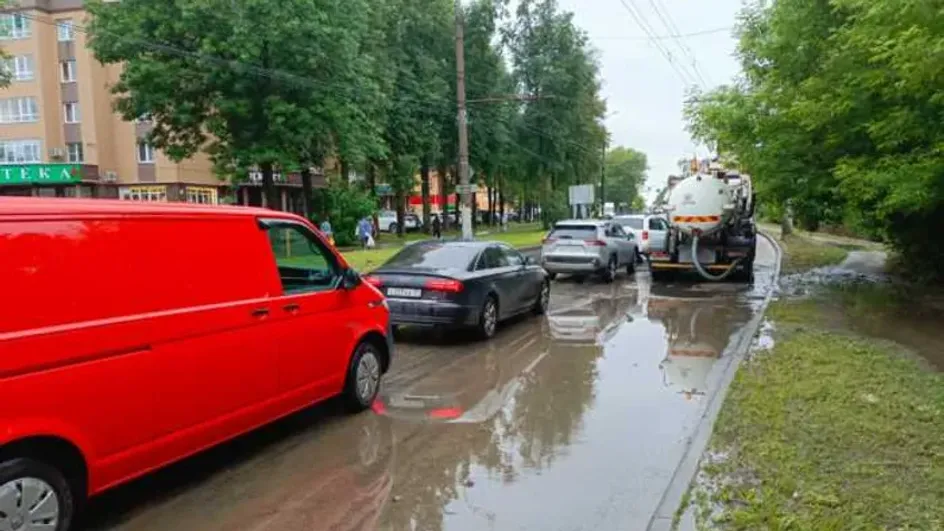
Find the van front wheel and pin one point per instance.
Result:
(363, 377)
(34, 495)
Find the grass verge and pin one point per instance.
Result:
(828, 429)
(524, 235)
(803, 252)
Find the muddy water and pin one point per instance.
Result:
(576, 420)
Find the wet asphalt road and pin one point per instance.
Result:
(573, 421)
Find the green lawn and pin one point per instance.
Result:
(518, 235)
(804, 252)
(828, 430)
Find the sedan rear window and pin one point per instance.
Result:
(630, 223)
(434, 256)
(575, 232)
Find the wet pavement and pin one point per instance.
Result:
(576, 420)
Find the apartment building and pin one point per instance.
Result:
(60, 137)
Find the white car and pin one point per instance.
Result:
(651, 231)
(387, 221)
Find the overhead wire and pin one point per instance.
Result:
(633, 9)
(674, 32)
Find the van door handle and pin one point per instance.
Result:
(259, 313)
(292, 308)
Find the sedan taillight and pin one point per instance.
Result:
(448, 286)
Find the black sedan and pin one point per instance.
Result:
(461, 283)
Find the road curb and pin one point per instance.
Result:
(687, 468)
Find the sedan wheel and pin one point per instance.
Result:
(540, 306)
(488, 320)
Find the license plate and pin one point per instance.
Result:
(405, 292)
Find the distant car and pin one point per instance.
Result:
(461, 283)
(387, 221)
(589, 247)
(651, 230)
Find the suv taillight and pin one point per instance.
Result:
(449, 286)
(645, 235)
(595, 243)
(373, 281)
(548, 240)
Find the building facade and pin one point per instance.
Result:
(59, 135)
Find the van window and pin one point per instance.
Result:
(72, 271)
(304, 263)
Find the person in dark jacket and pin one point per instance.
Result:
(437, 227)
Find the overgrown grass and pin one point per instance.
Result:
(518, 235)
(828, 430)
(803, 253)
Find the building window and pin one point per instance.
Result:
(75, 152)
(18, 110)
(145, 153)
(20, 151)
(65, 30)
(202, 195)
(144, 193)
(67, 71)
(15, 26)
(71, 112)
(20, 68)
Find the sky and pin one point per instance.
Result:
(644, 94)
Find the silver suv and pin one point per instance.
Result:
(588, 247)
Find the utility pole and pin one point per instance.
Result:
(603, 178)
(467, 196)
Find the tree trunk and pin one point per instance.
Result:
(268, 186)
(307, 192)
(501, 199)
(372, 184)
(786, 220)
(491, 206)
(424, 173)
(399, 199)
(444, 196)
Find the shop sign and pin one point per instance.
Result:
(26, 174)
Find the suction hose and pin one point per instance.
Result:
(701, 269)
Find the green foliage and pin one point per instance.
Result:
(625, 175)
(839, 112)
(344, 206)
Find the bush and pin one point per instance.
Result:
(344, 205)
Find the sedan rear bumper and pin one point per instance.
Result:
(428, 313)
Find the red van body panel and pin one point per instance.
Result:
(144, 333)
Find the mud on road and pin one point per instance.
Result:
(575, 420)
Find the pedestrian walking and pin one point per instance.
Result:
(364, 230)
(326, 229)
(437, 227)
(504, 221)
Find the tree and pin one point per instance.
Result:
(625, 175)
(838, 112)
(252, 83)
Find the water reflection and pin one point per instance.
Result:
(698, 327)
(315, 470)
(506, 409)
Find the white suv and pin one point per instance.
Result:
(387, 221)
(587, 247)
(650, 230)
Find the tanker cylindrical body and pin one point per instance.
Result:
(698, 204)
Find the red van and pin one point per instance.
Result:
(135, 334)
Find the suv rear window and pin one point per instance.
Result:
(575, 232)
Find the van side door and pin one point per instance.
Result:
(658, 233)
(311, 336)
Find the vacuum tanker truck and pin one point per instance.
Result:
(711, 226)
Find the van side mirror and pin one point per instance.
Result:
(350, 279)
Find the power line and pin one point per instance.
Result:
(683, 74)
(669, 24)
(666, 37)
